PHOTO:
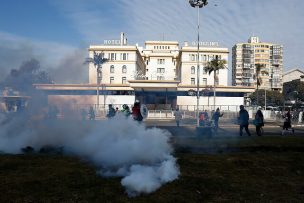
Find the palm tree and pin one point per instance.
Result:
(98, 60)
(213, 66)
(259, 68)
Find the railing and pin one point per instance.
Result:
(230, 112)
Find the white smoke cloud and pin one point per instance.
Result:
(118, 147)
(60, 60)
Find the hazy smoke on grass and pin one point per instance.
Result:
(118, 147)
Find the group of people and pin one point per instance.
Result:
(259, 121)
(243, 120)
(203, 118)
(135, 113)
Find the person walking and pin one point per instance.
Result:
(287, 121)
(216, 116)
(178, 116)
(111, 112)
(259, 122)
(243, 120)
(91, 113)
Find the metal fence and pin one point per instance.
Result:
(230, 112)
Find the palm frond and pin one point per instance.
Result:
(214, 65)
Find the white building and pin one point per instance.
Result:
(124, 63)
(294, 74)
(206, 54)
(161, 58)
(161, 75)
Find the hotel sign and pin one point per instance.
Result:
(111, 42)
(206, 44)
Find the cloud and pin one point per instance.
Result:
(230, 22)
(57, 58)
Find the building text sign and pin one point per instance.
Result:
(111, 42)
(206, 44)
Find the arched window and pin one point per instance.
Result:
(124, 69)
(192, 70)
(112, 69)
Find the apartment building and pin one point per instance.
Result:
(245, 57)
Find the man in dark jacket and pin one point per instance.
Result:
(216, 116)
(243, 120)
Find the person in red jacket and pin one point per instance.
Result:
(136, 111)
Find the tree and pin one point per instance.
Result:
(273, 98)
(213, 66)
(294, 90)
(259, 68)
(29, 73)
(98, 60)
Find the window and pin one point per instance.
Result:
(192, 57)
(160, 78)
(123, 80)
(124, 56)
(113, 56)
(124, 69)
(160, 70)
(160, 61)
(204, 81)
(192, 81)
(192, 70)
(111, 80)
(112, 69)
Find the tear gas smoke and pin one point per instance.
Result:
(118, 147)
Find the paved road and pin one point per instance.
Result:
(227, 128)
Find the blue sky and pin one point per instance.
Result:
(57, 32)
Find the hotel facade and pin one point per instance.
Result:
(245, 57)
(162, 75)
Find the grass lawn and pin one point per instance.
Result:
(259, 169)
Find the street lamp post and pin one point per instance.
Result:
(198, 4)
(265, 99)
(98, 72)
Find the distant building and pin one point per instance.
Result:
(162, 60)
(161, 75)
(157, 61)
(188, 62)
(246, 55)
(124, 63)
(294, 74)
